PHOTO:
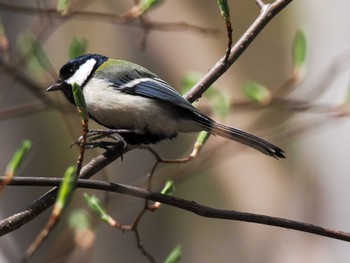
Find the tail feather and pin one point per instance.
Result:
(247, 139)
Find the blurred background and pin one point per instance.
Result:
(311, 185)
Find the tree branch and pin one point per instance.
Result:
(265, 16)
(112, 18)
(191, 206)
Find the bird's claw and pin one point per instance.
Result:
(94, 135)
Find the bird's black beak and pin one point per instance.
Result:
(57, 86)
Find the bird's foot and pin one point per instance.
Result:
(93, 139)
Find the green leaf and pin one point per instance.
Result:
(299, 50)
(175, 255)
(79, 219)
(168, 188)
(67, 187)
(18, 157)
(145, 5)
(96, 206)
(224, 9)
(257, 92)
(202, 138)
(78, 47)
(80, 102)
(63, 7)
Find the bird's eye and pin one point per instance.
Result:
(67, 71)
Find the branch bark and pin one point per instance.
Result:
(191, 206)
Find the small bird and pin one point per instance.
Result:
(124, 95)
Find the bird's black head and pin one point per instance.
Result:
(78, 70)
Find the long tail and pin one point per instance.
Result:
(247, 139)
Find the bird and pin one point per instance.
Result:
(123, 95)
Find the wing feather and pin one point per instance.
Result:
(153, 88)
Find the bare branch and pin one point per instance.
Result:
(111, 18)
(260, 4)
(191, 206)
(241, 45)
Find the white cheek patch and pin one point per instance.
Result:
(81, 75)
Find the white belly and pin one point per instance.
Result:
(118, 110)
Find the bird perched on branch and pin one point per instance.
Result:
(122, 95)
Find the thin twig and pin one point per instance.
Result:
(113, 18)
(260, 4)
(141, 247)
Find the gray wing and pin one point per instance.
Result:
(153, 88)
